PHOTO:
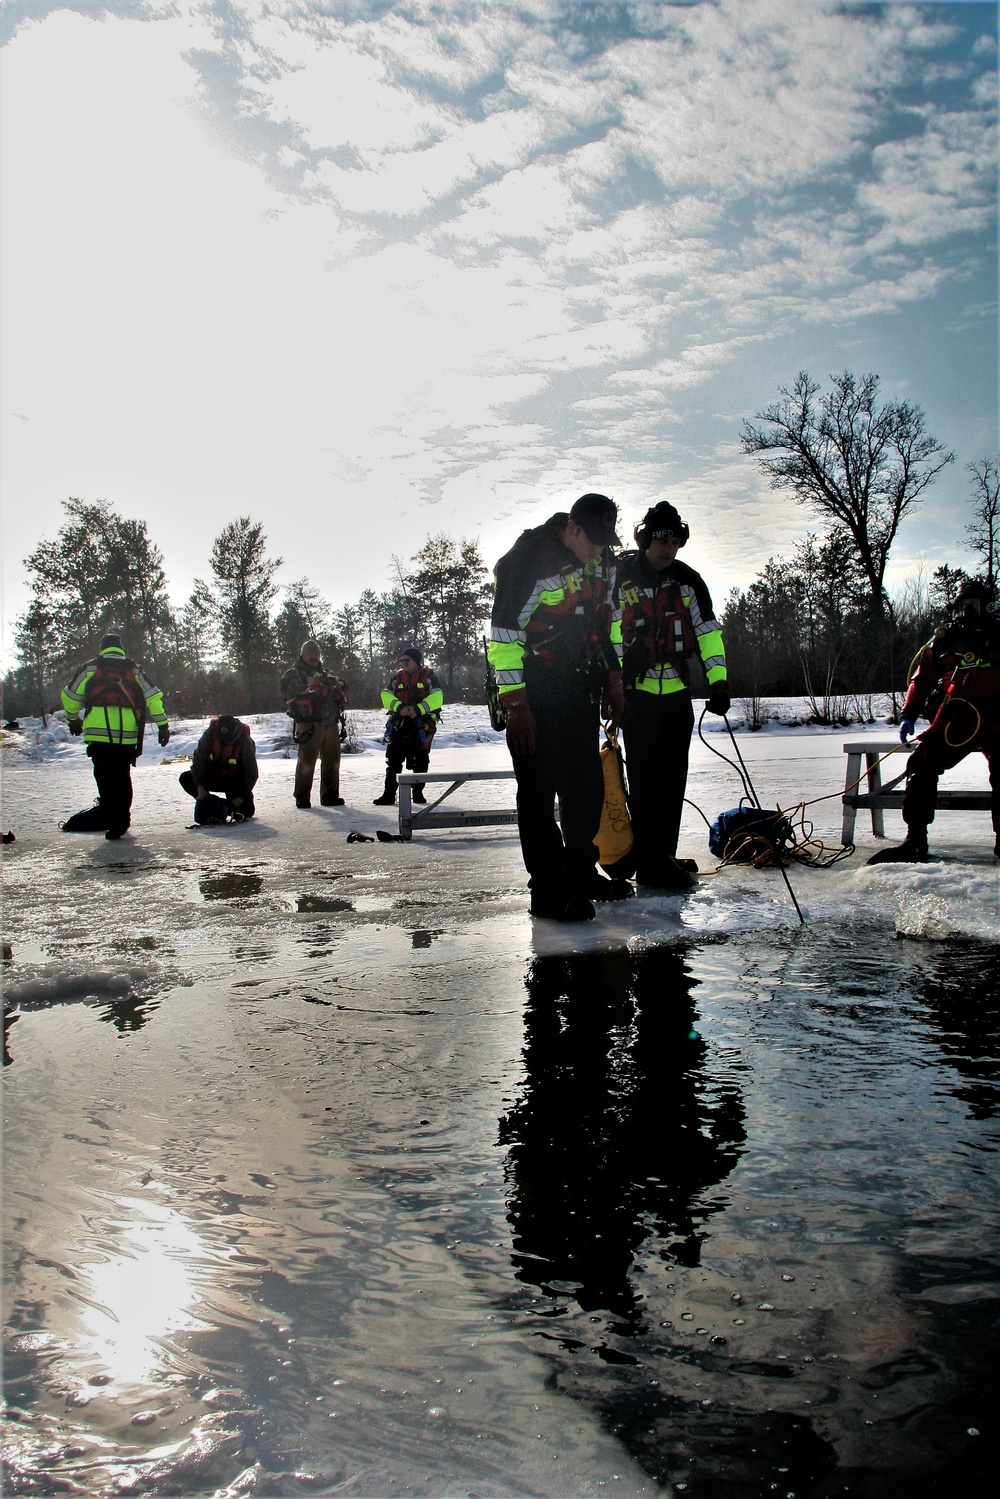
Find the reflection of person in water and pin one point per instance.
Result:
(619, 1129)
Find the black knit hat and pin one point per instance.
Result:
(111, 643)
(415, 654)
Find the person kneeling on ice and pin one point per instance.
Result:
(107, 701)
(223, 773)
(957, 675)
(666, 619)
(316, 701)
(413, 700)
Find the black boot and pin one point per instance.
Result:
(388, 797)
(418, 795)
(913, 850)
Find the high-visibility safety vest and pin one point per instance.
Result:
(417, 688)
(665, 618)
(113, 696)
(550, 608)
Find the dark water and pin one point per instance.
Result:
(728, 1209)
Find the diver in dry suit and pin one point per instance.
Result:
(956, 678)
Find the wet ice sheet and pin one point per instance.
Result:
(668, 1213)
(285, 1111)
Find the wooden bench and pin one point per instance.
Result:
(453, 817)
(890, 794)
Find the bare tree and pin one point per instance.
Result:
(984, 533)
(862, 465)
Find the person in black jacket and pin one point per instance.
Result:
(557, 669)
(223, 772)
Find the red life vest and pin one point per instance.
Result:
(113, 684)
(656, 628)
(224, 754)
(569, 632)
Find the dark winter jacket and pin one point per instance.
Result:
(222, 765)
(551, 608)
(322, 703)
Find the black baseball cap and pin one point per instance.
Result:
(598, 516)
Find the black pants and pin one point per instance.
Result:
(405, 748)
(113, 774)
(560, 857)
(221, 804)
(657, 734)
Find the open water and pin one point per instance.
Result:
(318, 1201)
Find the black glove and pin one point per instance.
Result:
(75, 726)
(719, 701)
(164, 733)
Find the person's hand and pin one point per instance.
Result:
(522, 731)
(164, 733)
(719, 701)
(75, 726)
(906, 727)
(613, 704)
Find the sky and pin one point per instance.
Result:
(368, 272)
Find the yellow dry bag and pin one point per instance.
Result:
(614, 837)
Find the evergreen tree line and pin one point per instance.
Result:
(821, 623)
(224, 650)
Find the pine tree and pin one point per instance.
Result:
(244, 576)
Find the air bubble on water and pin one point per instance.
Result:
(687, 1316)
(972, 1431)
(736, 1296)
(739, 1321)
(788, 1277)
(436, 1411)
(765, 1306)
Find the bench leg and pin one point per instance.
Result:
(850, 813)
(405, 812)
(874, 772)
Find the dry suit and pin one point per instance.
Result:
(957, 679)
(315, 711)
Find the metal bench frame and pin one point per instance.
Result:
(454, 817)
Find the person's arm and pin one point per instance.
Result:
(434, 700)
(248, 762)
(74, 693)
(507, 634)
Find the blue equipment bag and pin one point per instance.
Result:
(750, 835)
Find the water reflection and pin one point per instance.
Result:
(307, 903)
(618, 1130)
(961, 988)
(231, 885)
(424, 936)
(141, 1290)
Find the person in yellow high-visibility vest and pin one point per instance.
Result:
(108, 701)
(666, 619)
